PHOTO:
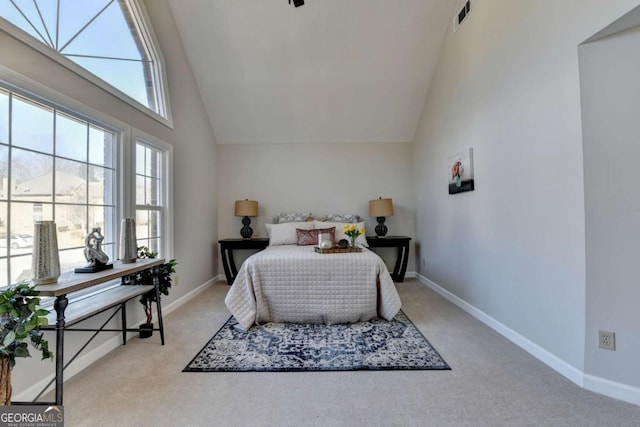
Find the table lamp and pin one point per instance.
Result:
(380, 209)
(246, 208)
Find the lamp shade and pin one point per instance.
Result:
(380, 207)
(246, 208)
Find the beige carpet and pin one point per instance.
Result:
(492, 382)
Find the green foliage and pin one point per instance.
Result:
(20, 320)
(146, 278)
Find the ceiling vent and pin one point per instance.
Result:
(461, 15)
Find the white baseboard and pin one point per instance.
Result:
(85, 360)
(598, 385)
(219, 278)
(613, 389)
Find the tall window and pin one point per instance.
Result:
(150, 196)
(108, 38)
(53, 166)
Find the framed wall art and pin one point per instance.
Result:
(461, 172)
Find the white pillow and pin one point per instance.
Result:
(285, 234)
(361, 240)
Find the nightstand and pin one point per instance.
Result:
(402, 258)
(226, 251)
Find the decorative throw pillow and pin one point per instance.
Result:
(361, 240)
(310, 237)
(351, 218)
(285, 217)
(285, 234)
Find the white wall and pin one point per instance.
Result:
(316, 178)
(195, 213)
(507, 84)
(611, 116)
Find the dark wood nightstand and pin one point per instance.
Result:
(400, 242)
(226, 251)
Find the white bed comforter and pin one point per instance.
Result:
(295, 284)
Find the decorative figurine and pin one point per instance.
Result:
(97, 260)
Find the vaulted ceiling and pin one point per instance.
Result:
(329, 71)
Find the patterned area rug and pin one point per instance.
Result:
(276, 347)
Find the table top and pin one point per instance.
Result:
(71, 282)
(389, 237)
(238, 239)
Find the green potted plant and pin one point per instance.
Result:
(20, 319)
(164, 284)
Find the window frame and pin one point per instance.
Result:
(124, 161)
(166, 183)
(142, 20)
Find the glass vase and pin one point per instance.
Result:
(353, 241)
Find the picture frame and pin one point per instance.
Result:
(460, 172)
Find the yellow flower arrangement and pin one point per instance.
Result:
(353, 232)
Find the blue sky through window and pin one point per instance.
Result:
(94, 34)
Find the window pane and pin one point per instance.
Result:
(71, 138)
(76, 14)
(142, 224)
(13, 15)
(20, 268)
(4, 117)
(152, 163)
(140, 159)
(111, 21)
(140, 193)
(154, 224)
(102, 36)
(100, 147)
(72, 258)
(49, 12)
(4, 172)
(152, 244)
(127, 76)
(31, 176)
(152, 191)
(4, 265)
(72, 225)
(23, 216)
(32, 125)
(103, 217)
(4, 243)
(71, 181)
(101, 186)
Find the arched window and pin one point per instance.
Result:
(108, 38)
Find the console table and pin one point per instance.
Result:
(95, 304)
(226, 252)
(402, 257)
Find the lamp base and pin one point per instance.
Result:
(246, 232)
(381, 229)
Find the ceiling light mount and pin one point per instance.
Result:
(297, 3)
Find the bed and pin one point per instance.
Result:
(291, 283)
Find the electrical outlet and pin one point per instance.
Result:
(607, 340)
(424, 262)
(175, 279)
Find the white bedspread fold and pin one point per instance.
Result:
(294, 284)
